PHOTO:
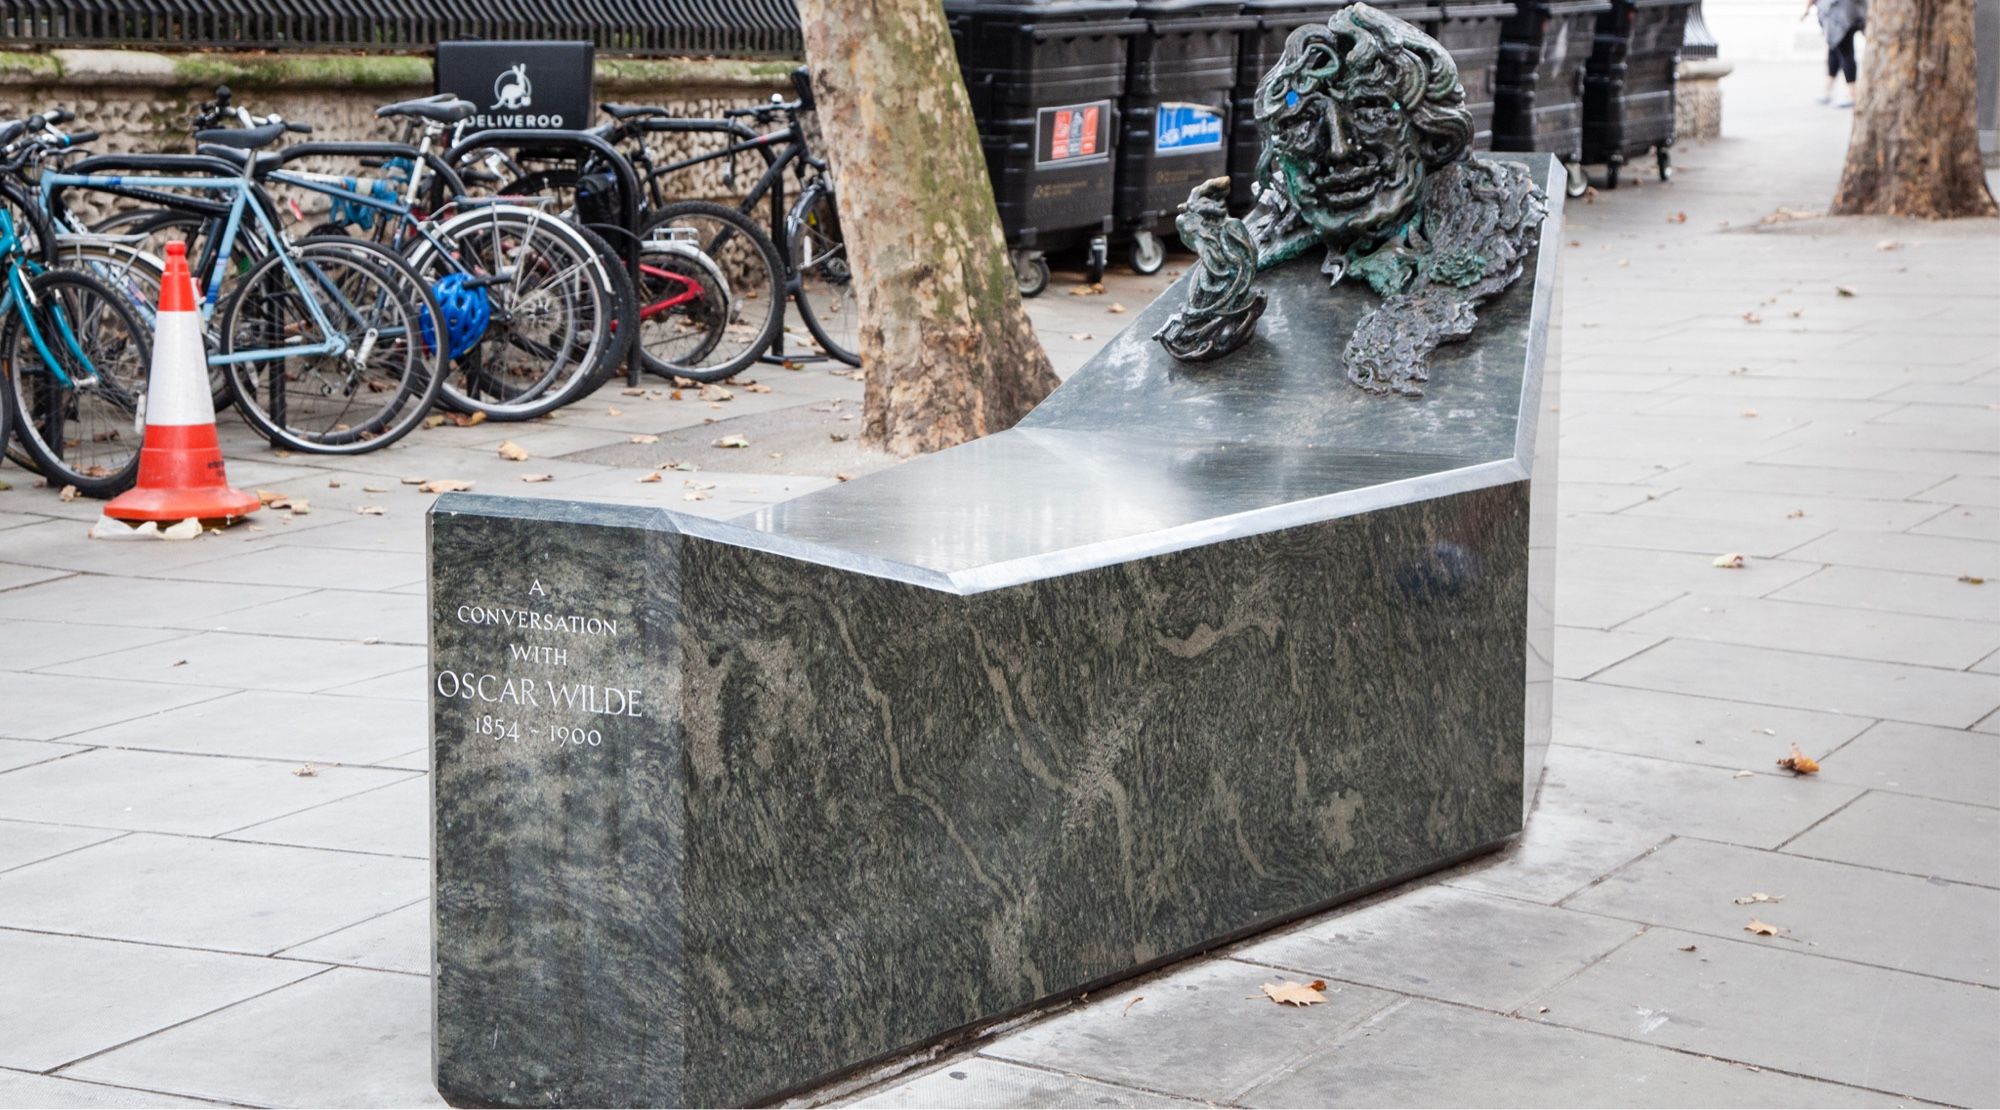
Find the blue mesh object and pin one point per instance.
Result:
(467, 311)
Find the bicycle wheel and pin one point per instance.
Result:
(379, 382)
(561, 310)
(822, 280)
(749, 262)
(76, 363)
(683, 306)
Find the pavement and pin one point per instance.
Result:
(213, 822)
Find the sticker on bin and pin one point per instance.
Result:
(1073, 134)
(1186, 129)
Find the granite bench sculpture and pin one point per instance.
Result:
(723, 809)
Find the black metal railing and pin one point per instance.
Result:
(736, 28)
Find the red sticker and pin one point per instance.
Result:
(1060, 148)
(1089, 145)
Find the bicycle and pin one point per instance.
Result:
(74, 357)
(320, 340)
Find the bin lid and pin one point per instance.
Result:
(1150, 8)
(1271, 7)
(1044, 9)
(1484, 9)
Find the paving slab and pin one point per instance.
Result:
(22, 1089)
(23, 842)
(1943, 555)
(1819, 629)
(394, 820)
(979, 1083)
(1887, 1031)
(1582, 652)
(268, 724)
(1661, 797)
(1903, 922)
(345, 1038)
(1896, 592)
(1502, 951)
(26, 753)
(1973, 522)
(1916, 836)
(1815, 511)
(93, 994)
(1695, 535)
(399, 940)
(1419, 1053)
(1557, 854)
(258, 662)
(1964, 463)
(405, 685)
(48, 707)
(134, 602)
(1948, 764)
(1804, 481)
(1692, 729)
(173, 793)
(14, 575)
(261, 897)
(1963, 489)
(352, 615)
(33, 644)
(66, 545)
(1806, 681)
(1204, 1031)
(294, 564)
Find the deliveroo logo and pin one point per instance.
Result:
(1186, 129)
(512, 90)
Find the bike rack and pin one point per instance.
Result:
(626, 239)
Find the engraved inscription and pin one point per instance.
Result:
(526, 703)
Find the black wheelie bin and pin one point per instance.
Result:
(1175, 118)
(1538, 94)
(1045, 78)
(1628, 88)
(1471, 31)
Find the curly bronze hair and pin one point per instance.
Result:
(1405, 63)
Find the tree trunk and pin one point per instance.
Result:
(948, 352)
(1914, 150)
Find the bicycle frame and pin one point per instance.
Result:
(19, 294)
(239, 190)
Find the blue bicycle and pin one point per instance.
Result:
(74, 356)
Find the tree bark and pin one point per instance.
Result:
(947, 351)
(1914, 150)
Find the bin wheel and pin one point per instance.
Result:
(1100, 258)
(1665, 159)
(1147, 253)
(1031, 272)
(1579, 182)
(1611, 176)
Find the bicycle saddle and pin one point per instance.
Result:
(242, 138)
(12, 131)
(442, 108)
(633, 111)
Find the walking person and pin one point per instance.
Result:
(1840, 20)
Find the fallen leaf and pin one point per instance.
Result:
(69, 493)
(1766, 731)
(1799, 763)
(1743, 774)
(715, 393)
(445, 485)
(1751, 413)
(1762, 928)
(1972, 580)
(1844, 290)
(756, 387)
(1091, 289)
(1731, 561)
(613, 410)
(645, 439)
(306, 771)
(1295, 994)
(1752, 318)
(1116, 308)
(1081, 335)
(675, 395)
(836, 437)
(843, 477)
(653, 477)
(266, 496)
(1678, 218)
(513, 452)
(1795, 514)
(467, 420)
(1756, 897)
(374, 489)
(538, 477)
(371, 510)
(696, 495)
(300, 506)
(434, 420)
(413, 481)
(732, 441)
(1889, 245)
(1136, 999)
(1687, 947)
(333, 483)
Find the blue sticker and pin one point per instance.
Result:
(1186, 129)
(1291, 98)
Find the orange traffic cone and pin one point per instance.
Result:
(180, 461)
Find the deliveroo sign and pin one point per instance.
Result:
(1186, 129)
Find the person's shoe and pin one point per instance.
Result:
(1848, 103)
(1827, 99)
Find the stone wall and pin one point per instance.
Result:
(143, 101)
(1698, 99)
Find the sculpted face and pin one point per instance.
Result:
(1345, 146)
(1355, 114)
